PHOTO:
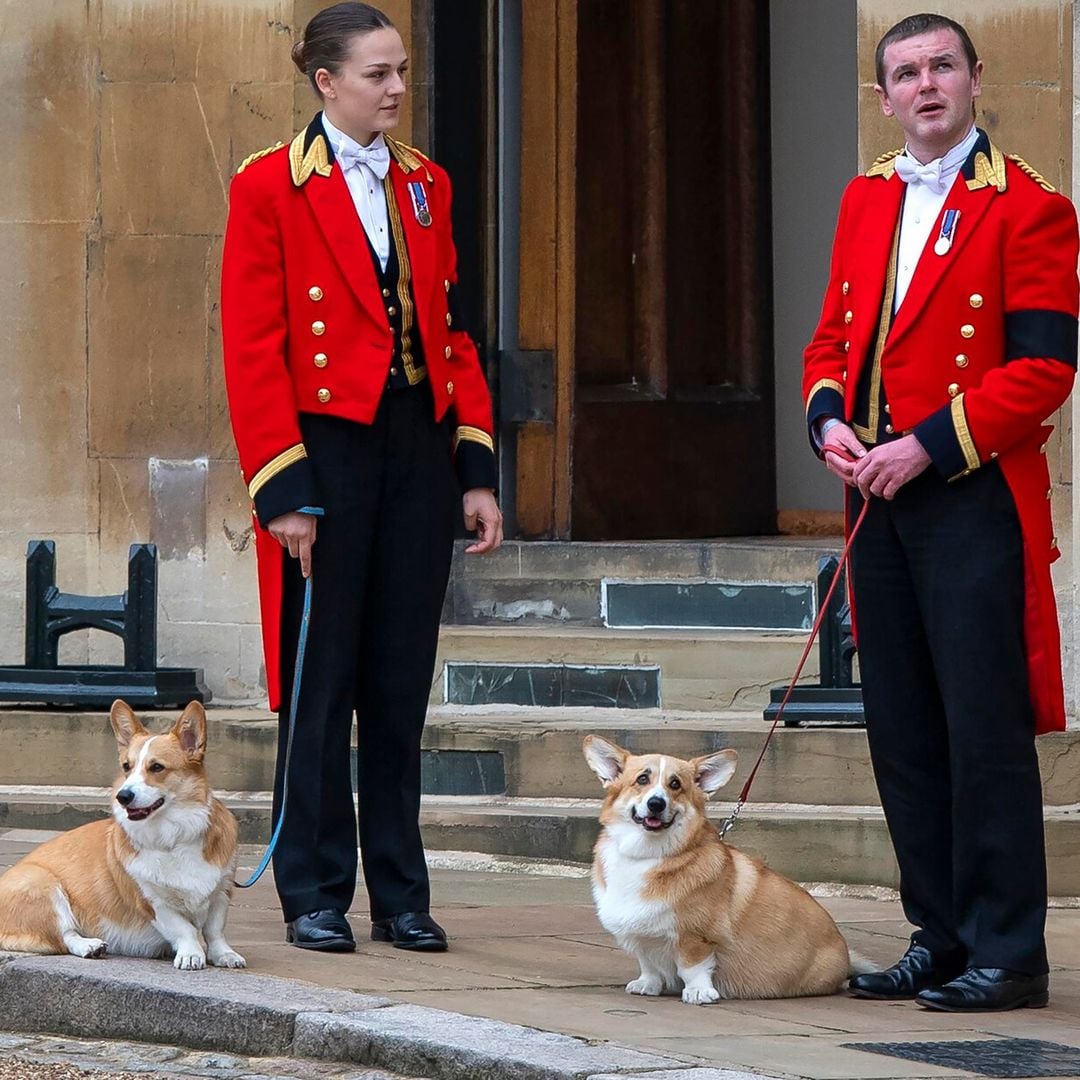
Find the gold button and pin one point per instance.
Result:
(993, 455)
(446, 352)
(323, 395)
(847, 345)
(844, 376)
(393, 371)
(888, 429)
(961, 360)
(888, 408)
(448, 319)
(320, 359)
(449, 387)
(1049, 492)
(446, 284)
(967, 330)
(954, 389)
(848, 316)
(315, 292)
(1042, 449)
(975, 300)
(1053, 541)
(846, 287)
(318, 328)
(391, 310)
(386, 292)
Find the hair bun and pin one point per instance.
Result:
(298, 56)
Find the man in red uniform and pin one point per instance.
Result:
(948, 335)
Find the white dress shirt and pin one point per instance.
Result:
(922, 205)
(368, 193)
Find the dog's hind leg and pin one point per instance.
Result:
(218, 951)
(89, 948)
(27, 919)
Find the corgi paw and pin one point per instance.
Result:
(700, 995)
(647, 985)
(88, 947)
(189, 961)
(226, 958)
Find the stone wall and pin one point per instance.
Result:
(123, 121)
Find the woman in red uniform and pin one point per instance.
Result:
(355, 398)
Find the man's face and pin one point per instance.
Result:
(930, 90)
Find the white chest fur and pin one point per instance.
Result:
(620, 902)
(179, 877)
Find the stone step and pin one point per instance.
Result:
(519, 752)
(808, 843)
(713, 670)
(560, 583)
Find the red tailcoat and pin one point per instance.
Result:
(305, 328)
(981, 351)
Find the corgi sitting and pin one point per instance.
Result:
(153, 879)
(691, 910)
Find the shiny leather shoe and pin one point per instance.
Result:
(916, 970)
(326, 931)
(988, 990)
(415, 930)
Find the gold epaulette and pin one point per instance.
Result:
(884, 165)
(258, 154)
(1035, 175)
(408, 157)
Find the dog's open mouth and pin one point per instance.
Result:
(653, 824)
(141, 813)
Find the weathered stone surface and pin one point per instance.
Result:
(151, 1001)
(147, 355)
(454, 1047)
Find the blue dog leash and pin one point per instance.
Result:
(298, 670)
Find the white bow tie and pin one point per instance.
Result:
(376, 158)
(911, 172)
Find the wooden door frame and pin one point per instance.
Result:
(546, 271)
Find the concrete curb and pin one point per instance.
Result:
(261, 1015)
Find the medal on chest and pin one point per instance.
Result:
(420, 202)
(948, 232)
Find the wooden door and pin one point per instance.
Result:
(673, 409)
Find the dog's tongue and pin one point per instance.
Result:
(138, 813)
(653, 823)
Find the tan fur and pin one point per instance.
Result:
(90, 869)
(767, 936)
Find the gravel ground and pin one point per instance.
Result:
(50, 1057)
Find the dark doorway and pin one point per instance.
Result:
(673, 417)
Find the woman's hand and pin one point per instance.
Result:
(296, 532)
(482, 513)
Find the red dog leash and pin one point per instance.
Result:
(729, 821)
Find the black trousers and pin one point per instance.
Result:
(380, 565)
(938, 579)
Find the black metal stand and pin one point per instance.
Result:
(837, 699)
(132, 616)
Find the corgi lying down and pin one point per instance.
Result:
(694, 912)
(152, 880)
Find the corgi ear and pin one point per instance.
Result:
(190, 729)
(713, 771)
(125, 724)
(604, 758)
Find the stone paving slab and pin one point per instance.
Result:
(528, 957)
(450, 1046)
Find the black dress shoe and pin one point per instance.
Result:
(988, 990)
(411, 930)
(916, 970)
(327, 931)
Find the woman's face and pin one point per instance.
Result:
(365, 96)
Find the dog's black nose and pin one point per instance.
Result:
(125, 796)
(656, 804)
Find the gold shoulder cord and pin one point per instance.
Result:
(258, 154)
(1028, 170)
